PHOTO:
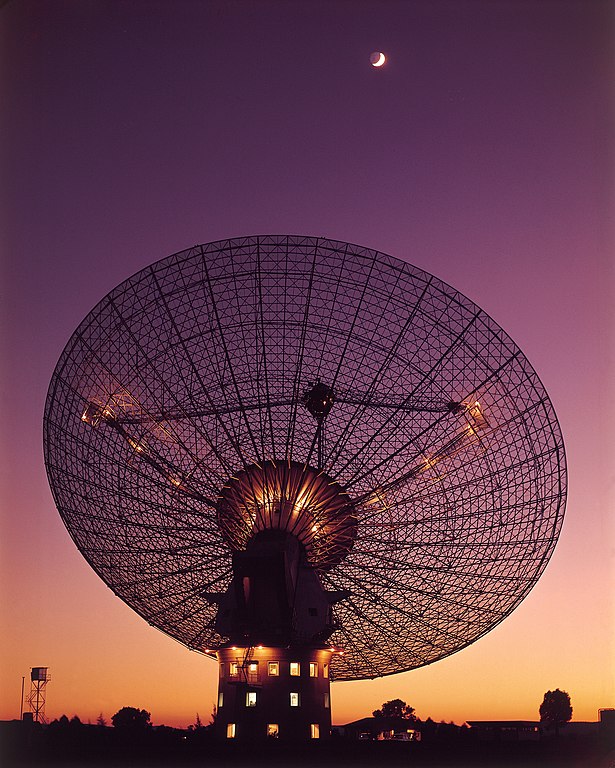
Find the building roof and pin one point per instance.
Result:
(382, 723)
(525, 723)
(503, 723)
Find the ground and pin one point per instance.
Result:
(82, 745)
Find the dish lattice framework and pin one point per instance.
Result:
(441, 434)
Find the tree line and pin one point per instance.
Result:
(555, 710)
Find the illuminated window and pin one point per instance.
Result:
(253, 667)
(273, 668)
(294, 699)
(273, 730)
(233, 668)
(325, 670)
(314, 731)
(295, 669)
(327, 701)
(221, 699)
(251, 699)
(313, 669)
(230, 731)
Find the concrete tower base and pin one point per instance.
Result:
(274, 693)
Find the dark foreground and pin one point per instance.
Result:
(23, 747)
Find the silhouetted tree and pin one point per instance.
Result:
(197, 726)
(100, 720)
(395, 708)
(212, 720)
(131, 718)
(429, 729)
(555, 709)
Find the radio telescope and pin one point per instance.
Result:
(307, 459)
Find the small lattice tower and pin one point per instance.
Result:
(39, 677)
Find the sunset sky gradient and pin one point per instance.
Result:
(481, 152)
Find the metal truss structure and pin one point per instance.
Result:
(39, 677)
(267, 364)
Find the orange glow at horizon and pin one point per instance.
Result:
(105, 658)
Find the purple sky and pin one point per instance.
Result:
(482, 152)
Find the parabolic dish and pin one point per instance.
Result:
(195, 370)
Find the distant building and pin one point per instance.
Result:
(381, 729)
(526, 730)
(606, 718)
(506, 730)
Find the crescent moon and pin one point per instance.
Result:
(380, 60)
